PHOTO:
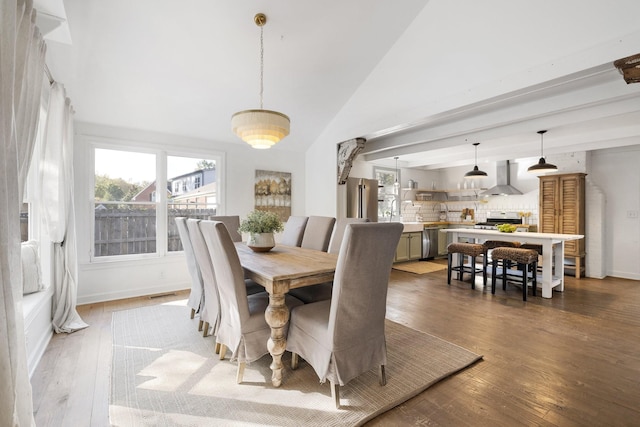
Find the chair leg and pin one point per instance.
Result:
(223, 351)
(505, 265)
(240, 372)
(484, 271)
(335, 393)
(525, 276)
(193, 313)
(200, 325)
(535, 278)
(294, 361)
(494, 271)
(473, 272)
(383, 375)
(205, 329)
(217, 348)
(449, 259)
(461, 267)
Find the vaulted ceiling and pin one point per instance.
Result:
(420, 79)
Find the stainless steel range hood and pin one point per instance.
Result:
(503, 179)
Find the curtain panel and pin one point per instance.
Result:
(21, 58)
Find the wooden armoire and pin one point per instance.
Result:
(562, 211)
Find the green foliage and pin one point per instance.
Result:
(205, 164)
(507, 228)
(115, 189)
(261, 222)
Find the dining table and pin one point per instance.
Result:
(279, 270)
(552, 250)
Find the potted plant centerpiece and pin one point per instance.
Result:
(260, 225)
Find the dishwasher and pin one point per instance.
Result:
(430, 242)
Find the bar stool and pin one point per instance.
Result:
(471, 250)
(526, 259)
(537, 248)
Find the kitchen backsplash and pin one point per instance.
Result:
(429, 211)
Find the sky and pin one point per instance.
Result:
(138, 167)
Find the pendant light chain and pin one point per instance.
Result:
(261, 65)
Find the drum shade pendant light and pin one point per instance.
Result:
(475, 173)
(542, 166)
(260, 128)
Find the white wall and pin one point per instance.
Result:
(615, 171)
(122, 279)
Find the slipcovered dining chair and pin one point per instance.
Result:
(338, 232)
(318, 232)
(322, 291)
(232, 222)
(243, 328)
(344, 337)
(294, 231)
(210, 313)
(196, 295)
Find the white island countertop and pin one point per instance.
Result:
(552, 247)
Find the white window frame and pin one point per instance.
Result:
(161, 201)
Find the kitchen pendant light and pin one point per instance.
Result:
(542, 166)
(475, 173)
(260, 128)
(396, 184)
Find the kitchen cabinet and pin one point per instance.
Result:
(561, 210)
(409, 247)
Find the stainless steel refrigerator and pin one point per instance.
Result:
(362, 198)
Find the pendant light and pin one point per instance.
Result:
(396, 184)
(260, 128)
(542, 166)
(475, 173)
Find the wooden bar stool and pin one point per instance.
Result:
(526, 259)
(471, 250)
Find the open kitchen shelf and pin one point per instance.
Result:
(454, 195)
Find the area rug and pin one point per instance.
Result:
(164, 373)
(419, 267)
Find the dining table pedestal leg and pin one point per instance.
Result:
(277, 316)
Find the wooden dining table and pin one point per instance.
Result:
(279, 270)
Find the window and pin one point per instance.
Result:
(389, 207)
(134, 210)
(197, 182)
(124, 219)
(201, 202)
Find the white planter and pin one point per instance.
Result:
(261, 242)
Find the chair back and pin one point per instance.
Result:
(195, 297)
(232, 222)
(338, 232)
(230, 279)
(359, 299)
(317, 233)
(294, 231)
(211, 309)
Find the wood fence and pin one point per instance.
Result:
(133, 231)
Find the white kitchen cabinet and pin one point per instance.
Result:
(409, 247)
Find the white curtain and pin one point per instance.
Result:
(21, 69)
(56, 184)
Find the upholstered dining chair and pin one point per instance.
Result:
(232, 222)
(318, 232)
(338, 232)
(344, 337)
(196, 295)
(294, 230)
(322, 291)
(243, 328)
(210, 313)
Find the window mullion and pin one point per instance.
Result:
(161, 204)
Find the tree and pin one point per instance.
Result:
(205, 164)
(115, 189)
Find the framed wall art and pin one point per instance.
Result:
(272, 193)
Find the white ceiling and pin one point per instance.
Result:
(423, 79)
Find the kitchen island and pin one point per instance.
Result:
(552, 249)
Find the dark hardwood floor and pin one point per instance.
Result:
(573, 360)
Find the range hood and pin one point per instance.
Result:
(503, 179)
